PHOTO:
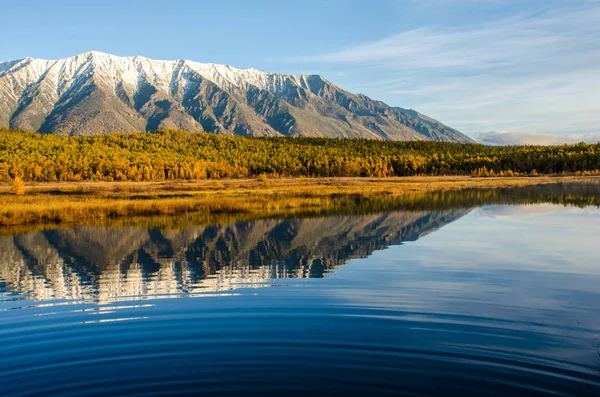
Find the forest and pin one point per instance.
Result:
(180, 155)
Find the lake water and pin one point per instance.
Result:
(485, 293)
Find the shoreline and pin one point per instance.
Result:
(52, 203)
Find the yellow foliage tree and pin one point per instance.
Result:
(264, 179)
(17, 186)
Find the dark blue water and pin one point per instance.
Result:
(485, 300)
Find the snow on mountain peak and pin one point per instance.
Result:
(96, 92)
(134, 69)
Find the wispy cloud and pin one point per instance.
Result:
(533, 72)
(523, 41)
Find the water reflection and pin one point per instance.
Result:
(104, 264)
(496, 294)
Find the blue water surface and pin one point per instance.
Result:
(485, 300)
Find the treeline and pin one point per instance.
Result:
(173, 155)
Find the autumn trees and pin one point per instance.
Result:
(172, 155)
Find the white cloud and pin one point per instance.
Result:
(525, 138)
(530, 72)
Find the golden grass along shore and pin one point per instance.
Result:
(54, 203)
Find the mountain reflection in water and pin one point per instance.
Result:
(104, 264)
(496, 294)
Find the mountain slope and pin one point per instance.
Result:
(96, 93)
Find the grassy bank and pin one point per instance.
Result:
(75, 202)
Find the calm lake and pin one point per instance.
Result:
(476, 292)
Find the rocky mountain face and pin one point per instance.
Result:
(104, 264)
(96, 93)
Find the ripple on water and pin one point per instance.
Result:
(267, 349)
(305, 307)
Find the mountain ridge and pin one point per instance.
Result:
(96, 92)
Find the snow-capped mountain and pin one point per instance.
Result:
(95, 93)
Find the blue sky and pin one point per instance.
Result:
(513, 68)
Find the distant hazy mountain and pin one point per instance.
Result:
(505, 138)
(95, 93)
